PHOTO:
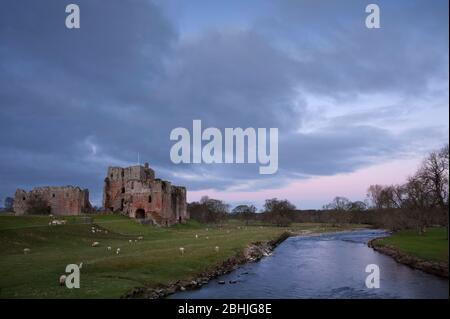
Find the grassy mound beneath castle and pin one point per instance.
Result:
(152, 261)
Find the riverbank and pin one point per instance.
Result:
(149, 256)
(252, 253)
(427, 252)
(299, 268)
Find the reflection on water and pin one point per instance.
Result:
(326, 266)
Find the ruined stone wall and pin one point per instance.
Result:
(134, 191)
(65, 200)
(179, 195)
(124, 185)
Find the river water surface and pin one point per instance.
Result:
(325, 266)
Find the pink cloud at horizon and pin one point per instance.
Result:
(316, 191)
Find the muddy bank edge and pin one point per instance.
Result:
(432, 267)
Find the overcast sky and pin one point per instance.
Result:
(354, 106)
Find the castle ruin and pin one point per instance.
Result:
(65, 200)
(134, 191)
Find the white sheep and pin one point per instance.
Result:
(62, 280)
(196, 236)
(216, 249)
(140, 237)
(207, 237)
(26, 250)
(109, 248)
(117, 251)
(182, 251)
(95, 244)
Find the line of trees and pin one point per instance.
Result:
(209, 210)
(427, 188)
(422, 201)
(424, 192)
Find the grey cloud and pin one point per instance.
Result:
(124, 80)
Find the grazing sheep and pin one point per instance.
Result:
(93, 231)
(140, 237)
(58, 222)
(109, 248)
(26, 250)
(95, 244)
(62, 280)
(117, 251)
(196, 236)
(216, 249)
(182, 251)
(207, 237)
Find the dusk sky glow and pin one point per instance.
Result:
(353, 106)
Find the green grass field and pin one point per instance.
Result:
(155, 260)
(433, 245)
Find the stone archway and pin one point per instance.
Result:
(140, 214)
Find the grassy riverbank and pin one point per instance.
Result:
(431, 246)
(155, 260)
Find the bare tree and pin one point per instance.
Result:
(245, 212)
(434, 176)
(339, 203)
(208, 210)
(278, 212)
(358, 206)
(374, 193)
(385, 197)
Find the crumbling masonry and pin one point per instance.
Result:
(134, 191)
(65, 200)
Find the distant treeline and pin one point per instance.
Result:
(422, 201)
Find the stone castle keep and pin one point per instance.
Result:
(133, 191)
(66, 200)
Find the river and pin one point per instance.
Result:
(325, 266)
